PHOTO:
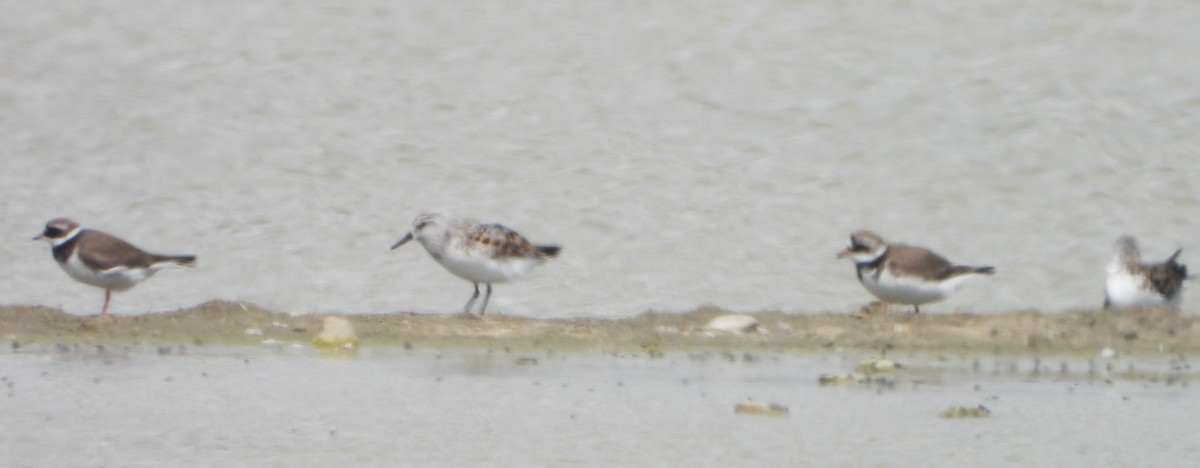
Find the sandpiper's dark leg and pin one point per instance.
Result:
(467, 309)
(917, 308)
(107, 298)
(485, 299)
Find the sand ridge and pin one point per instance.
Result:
(1018, 332)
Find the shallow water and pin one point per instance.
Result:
(287, 407)
(684, 153)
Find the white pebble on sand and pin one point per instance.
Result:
(733, 323)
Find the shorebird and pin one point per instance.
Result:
(479, 253)
(905, 274)
(102, 260)
(1133, 284)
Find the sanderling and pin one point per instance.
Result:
(1133, 284)
(479, 253)
(905, 274)
(101, 260)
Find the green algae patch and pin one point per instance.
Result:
(336, 338)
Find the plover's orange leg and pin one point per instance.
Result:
(107, 298)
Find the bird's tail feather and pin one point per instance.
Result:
(548, 250)
(181, 260)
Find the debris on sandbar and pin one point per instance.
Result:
(964, 412)
(758, 408)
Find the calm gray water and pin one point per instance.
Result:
(684, 153)
(258, 407)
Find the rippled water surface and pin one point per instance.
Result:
(206, 407)
(683, 153)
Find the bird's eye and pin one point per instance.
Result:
(53, 232)
(421, 225)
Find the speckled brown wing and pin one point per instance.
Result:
(102, 252)
(498, 241)
(1167, 277)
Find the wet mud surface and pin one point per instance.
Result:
(224, 323)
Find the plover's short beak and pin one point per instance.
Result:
(844, 253)
(406, 238)
(39, 237)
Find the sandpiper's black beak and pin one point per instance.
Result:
(406, 238)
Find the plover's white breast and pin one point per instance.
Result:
(117, 278)
(909, 290)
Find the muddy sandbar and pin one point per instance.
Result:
(1018, 332)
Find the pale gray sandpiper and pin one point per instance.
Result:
(102, 260)
(1132, 284)
(479, 253)
(904, 274)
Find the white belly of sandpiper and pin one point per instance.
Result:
(488, 270)
(1128, 291)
